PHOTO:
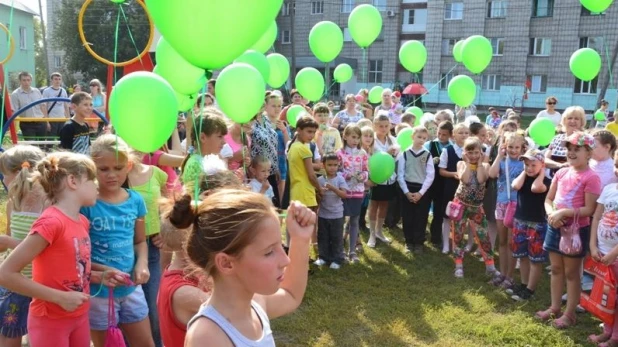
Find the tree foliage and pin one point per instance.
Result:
(101, 21)
(40, 59)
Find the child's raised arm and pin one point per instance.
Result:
(300, 223)
(494, 171)
(482, 172)
(12, 279)
(463, 171)
(538, 186)
(519, 181)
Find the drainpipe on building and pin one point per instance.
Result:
(292, 32)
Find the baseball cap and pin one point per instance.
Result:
(397, 94)
(579, 138)
(533, 154)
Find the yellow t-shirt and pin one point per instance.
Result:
(613, 128)
(151, 193)
(300, 186)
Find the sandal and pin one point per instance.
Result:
(497, 280)
(564, 322)
(596, 339)
(507, 284)
(459, 273)
(547, 314)
(609, 343)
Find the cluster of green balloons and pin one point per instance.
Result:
(585, 64)
(143, 100)
(375, 94)
(326, 41)
(476, 53)
(240, 108)
(232, 27)
(265, 43)
(343, 73)
(596, 6)
(542, 131)
(381, 167)
(365, 25)
(413, 56)
(257, 60)
(310, 83)
(462, 90)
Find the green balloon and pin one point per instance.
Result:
(257, 60)
(293, 113)
(139, 99)
(462, 90)
(381, 167)
(596, 6)
(457, 53)
(326, 41)
(185, 102)
(413, 56)
(416, 111)
(343, 73)
(265, 43)
(599, 115)
(404, 138)
(310, 83)
(211, 34)
(279, 69)
(476, 53)
(365, 25)
(585, 64)
(184, 77)
(375, 94)
(230, 80)
(542, 131)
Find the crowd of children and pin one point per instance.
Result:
(92, 245)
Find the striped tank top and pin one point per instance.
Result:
(21, 222)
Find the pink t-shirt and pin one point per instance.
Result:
(64, 264)
(572, 187)
(173, 184)
(233, 165)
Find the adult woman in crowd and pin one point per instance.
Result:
(573, 119)
(264, 143)
(363, 105)
(550, 111)
(348, 115)
(98, 100)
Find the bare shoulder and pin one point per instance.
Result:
(204, 329)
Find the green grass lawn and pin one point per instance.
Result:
(390, 299)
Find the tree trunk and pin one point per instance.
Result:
(44, 31)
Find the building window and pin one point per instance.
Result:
(380, 4)
(447, 46)
(22, 38)
(285, 9)
(586, 12)
(346, 35)
(595, 43)
(375, 71)
(497, 9)
(454, 10)
(542, 8)
(445, 79)
(540, 47)
(57, 61)
(497, 46)
(347, 6)
(286, 37)
(538, 83)
(410, 17)
(317, 7)
(490, 82)
(583, 87)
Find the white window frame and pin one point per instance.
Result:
(445, 79)
(317, 7)
(23, 36)
(285, 9)
(451, 13)
(347, 37)
(549, 8)
(583, 87)
(598, 44)
(347, 6)
(545, 45)
(411, 14)
(496, 44)
(497, 9)
(57, 61)
(491, 82)
(538, 83)
(380, 5)
(289, 36)
(451, 43)
(374, 72)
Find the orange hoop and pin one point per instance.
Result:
(80, 29)
(12, 46)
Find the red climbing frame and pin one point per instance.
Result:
(7, 107)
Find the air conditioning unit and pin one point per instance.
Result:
(391, 13)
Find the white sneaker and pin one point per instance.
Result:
(319, 262)
(371, 243)
(335, 266)
(382, 238)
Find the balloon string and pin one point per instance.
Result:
(8, 44)
(480, 92)
(242, 142)
(327, 92)
(366, 67)
(434, 86)
(115, 69)
(126, 22)
(196, 139)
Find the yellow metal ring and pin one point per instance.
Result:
(12, 48)
(80, 29)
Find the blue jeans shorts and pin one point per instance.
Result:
(129, 309)
(14, 313)
(552, 241)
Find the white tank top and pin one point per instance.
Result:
(238, 339)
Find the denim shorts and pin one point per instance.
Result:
(552, 241)
(129, 309)
(14, 311)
